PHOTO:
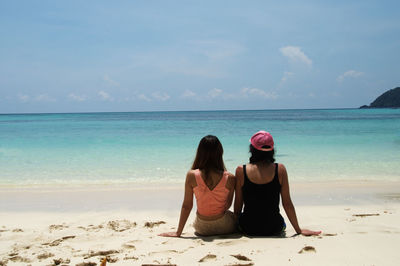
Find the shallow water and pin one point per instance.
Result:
(101, 148)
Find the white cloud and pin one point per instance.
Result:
(38, 98)
(188, 94)
(286, 76)
(23, 98)
(105, 96)
(143, 97)
(258, 93)
(44, 98)
(160, 96)
(349, 74)
(295, 54)
(110, 81)
(77, 98)
(214, 93)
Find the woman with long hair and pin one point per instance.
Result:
(259, 186)
(213, 188)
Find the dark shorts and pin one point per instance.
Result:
(261, 227)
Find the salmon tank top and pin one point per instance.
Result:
(211, 202)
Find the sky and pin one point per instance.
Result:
(122, 56)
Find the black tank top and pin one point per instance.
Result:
(261, 214)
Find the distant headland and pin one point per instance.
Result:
(389, 99)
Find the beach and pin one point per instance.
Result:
(78, 188)
(70, 226)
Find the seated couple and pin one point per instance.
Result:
(257, 185)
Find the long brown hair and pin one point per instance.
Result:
(209, 156)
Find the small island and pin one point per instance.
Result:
(389, 99)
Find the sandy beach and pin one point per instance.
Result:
(82, 226)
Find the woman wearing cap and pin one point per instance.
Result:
(259, 185)
(213, 188)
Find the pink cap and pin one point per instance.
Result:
(262, 138)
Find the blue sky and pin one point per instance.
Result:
(88, 56)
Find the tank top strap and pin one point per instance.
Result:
(246, 178)
(276, 177)
(224, 179)
(199, 179)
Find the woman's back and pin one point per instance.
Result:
(215, 197)
(261, 195)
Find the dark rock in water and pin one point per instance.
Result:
(389, 99)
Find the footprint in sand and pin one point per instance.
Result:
(170, 251)
(120, 225)
(54, 227)
(45, 256)
(129, 245)
(152, 224)
(87, 264)
(208, 257)
(131, 258)
(307, 249)
(61, 261)
(101, 253)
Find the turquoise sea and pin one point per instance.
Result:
(103, 148)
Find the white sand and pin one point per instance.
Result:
(73, 235)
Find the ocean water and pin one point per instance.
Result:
(159, 147)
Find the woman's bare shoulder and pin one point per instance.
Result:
(281, 168)
(239, 168)
(230, 175)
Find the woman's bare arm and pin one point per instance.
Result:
(187, 206)
(230, 185)
(238, 204)
(288, 204)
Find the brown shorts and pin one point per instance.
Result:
(224, 225)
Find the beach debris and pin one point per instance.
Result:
(103, 262)
(307, 249)
(45, 255)
(60, 260)
(241, 257)
(208, 257)
(101, 253)
(366, 214)
(86, 264)
(120, 225)
(3, 262)
(17, 230)
(109, 259)
(152, 224)
(13, 254)
(327, 234)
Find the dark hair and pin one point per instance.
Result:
(261, 156)
(209, 156)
